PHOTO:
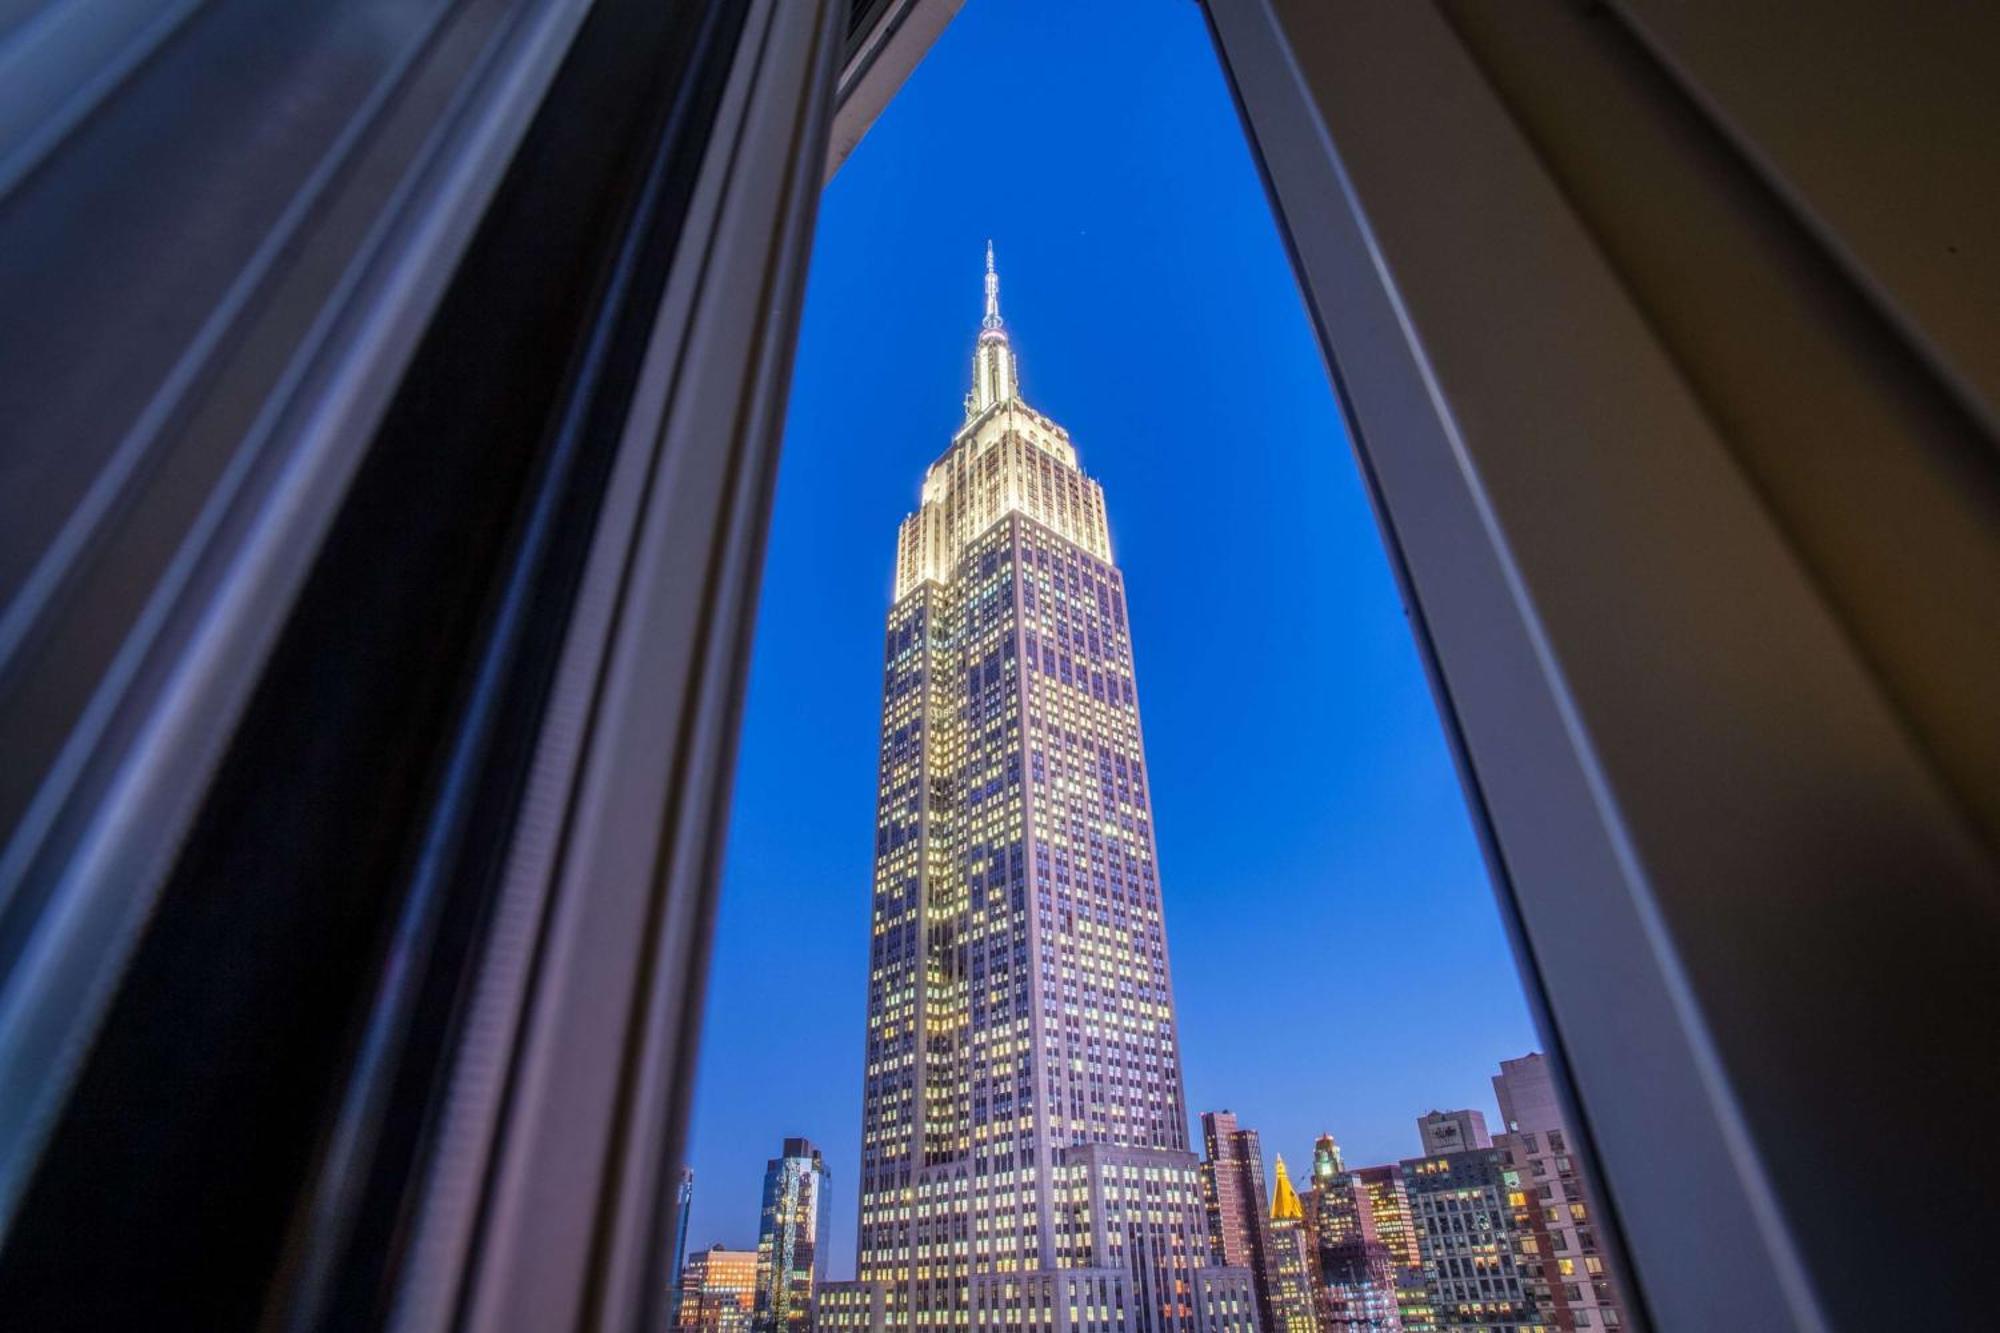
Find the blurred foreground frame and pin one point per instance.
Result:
(389, 431)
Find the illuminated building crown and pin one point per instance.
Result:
(1285, 1205)
(1006, 457)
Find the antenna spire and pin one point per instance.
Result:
(994, 376)
(992, 320)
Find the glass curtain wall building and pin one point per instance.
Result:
(791, 1255)
(1025, 1158)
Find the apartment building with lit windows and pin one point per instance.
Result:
(1561, 1254)
(1356, 1273)
(1466, 1234)
(1389, 1205)
(1024, 1156)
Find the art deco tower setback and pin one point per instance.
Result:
(1024, 1153)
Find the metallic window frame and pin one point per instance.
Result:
(1717, 775)
(347, 279)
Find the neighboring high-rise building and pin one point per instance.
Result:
(1294, 1265)
(1561, 1251)
(718, 1291)
(678, 1246)
(1024, 1142)
(1232, 1186)
(1336, 1209)
(1389, 1205)
(1357, 1291)
(1453, 1131)
(791, 1254)
(1356, 1274)
(1465, 1232)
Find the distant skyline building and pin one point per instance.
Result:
(1331, 1209)
(1466, 1233)
(1024, 1153)
(1294, 1264)
(718, 1291)
(791, 1231)
(1356, 1274)
(1232, 1186)
(678, 1246)
(1453, 1131)
(1563, 1255)
(1389, 1205)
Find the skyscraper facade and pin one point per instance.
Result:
(1232, 1186)
(791, 1253)
(1356, 1274)
(1333, 1210)
(1024, 1156)
(1561, 1253)
(1294, 1264)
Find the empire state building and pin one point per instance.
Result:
(1024, 1155)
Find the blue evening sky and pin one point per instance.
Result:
(1338, 960)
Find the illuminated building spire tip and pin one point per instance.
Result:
(995, 378)
(1285, 1204)
(992, 320)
